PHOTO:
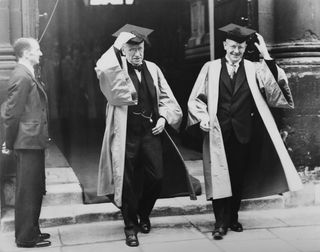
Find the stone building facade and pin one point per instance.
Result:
(185, 38)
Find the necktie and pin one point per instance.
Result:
(232, 70)
(139, 68)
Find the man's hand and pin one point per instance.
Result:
(4, 149)
(123, 38)
(159, 126)
(204, 125)
(262, 47)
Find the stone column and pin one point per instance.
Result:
(6, 53)
(5, 57)
(15, 20)
(5, 46)
(4, 23)
(292, 31)
(266, 19)
(198, 45)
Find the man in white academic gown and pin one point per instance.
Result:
(139, 162)
(243, 153)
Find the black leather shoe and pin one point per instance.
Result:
(132, 240)
(236, 227)
(38, 244)
(44, 236)
(145, 226)
(218, 233)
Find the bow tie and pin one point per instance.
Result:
(139, 68)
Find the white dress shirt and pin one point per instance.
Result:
(232, 67)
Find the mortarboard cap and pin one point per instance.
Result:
(141, 33)
(236, 32)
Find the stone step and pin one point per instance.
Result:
(63, 194)
(63, 202)
(63, 187)
(57, 215)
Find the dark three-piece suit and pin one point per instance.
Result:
(26, 132)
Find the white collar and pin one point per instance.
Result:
(229, 62)
(138, 74)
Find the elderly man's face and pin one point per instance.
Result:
(134, 53)
(234, 50)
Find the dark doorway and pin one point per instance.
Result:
(77, 36)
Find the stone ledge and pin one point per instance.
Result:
(270, 202)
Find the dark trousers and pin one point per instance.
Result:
(226, 209)
(142, 177)
(30, 188)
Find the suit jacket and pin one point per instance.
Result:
(25, 112)
(235, 105)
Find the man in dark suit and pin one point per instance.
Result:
(243, 154)
(26, 133)
(133, 167)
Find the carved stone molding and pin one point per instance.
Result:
(308, 36)
(298, 48)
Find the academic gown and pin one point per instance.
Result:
(270, 170)
(120, 92)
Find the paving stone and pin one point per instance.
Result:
(297, 233)
(190, 245)
(203, 222)
(266, 245)
(249, 220)
(7, 242)
(306, 245)
(259, 219)
(163, 235)
(246, 235)
(91, 233)
(118, 246)
(298, 216)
